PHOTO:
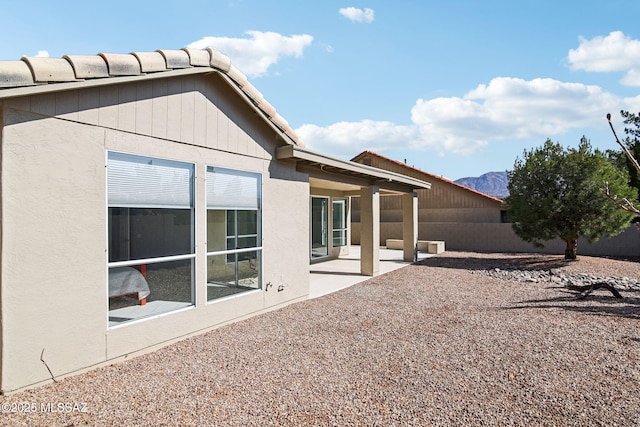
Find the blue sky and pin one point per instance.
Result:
(457, 88)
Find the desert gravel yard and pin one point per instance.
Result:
(443, 342)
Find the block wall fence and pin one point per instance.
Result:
(500, 237)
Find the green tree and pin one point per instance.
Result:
(557, 192)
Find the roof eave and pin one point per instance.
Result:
(282, 133)
(381, 176)
(39, 89)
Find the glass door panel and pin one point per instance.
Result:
(339, 222)
(319, 227)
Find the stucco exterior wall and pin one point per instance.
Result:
(502, 238)
(53, 282)
(53, 247)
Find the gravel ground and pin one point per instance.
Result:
(429, 344)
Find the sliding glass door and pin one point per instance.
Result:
(319, 227)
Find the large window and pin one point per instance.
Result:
(340, 209)
(150, 236)
(234, 243)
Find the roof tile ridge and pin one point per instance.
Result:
(122, 64)
(45, 69)
(32, 71)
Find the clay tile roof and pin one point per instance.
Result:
(176, 58)
(42, 72)
(88, 66)
(15, 73)
(122, 64)
(198, 57)
(151, 62)
(47, 70)
(219, 60)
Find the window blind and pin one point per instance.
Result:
(145, 182)
(230, 189)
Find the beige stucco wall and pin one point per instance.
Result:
(502, 238)
(53, 247)
(53, 282)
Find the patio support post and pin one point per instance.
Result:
(370, 230)
(409, 225)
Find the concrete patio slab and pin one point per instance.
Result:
(331, 276)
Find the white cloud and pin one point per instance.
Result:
(615, 52)
(510, 108)
(254, 55)
(505, 109)
(354, 14)
(632, 78)
(631, 104)
(348, 138)
(42, 54)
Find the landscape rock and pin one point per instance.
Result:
(556, 276)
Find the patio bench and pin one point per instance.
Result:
(429, 246)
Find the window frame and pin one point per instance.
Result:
(325, 228)
(236, 236)
(345, 216)
(234, 253)
(192, 255)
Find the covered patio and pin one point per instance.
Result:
(335, 179)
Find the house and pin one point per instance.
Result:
(467, 220)
(441, 210)
(150, 196)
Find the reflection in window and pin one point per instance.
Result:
(234, 244)
(150, 236)
(136, 233)
(242, 231)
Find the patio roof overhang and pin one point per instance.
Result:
(329, 172)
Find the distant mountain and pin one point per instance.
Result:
(491, 183)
